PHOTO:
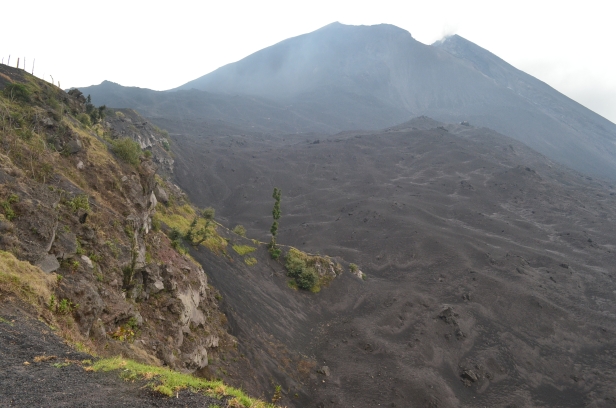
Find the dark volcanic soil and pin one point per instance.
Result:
(61, 380)
(490, 269)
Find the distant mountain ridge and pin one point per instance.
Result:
(368, 77)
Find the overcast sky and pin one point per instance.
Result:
(161, 45)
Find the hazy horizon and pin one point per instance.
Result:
(137, 44)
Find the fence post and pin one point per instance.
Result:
(33, 65)
(17, 62)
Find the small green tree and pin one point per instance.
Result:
(273, 249)
(190, 234)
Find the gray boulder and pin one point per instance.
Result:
(161, 194)
(65, 245)
(73, 146)
(48, 264)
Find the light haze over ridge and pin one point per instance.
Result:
(161, 47)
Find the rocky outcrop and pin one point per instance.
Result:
(88, 218)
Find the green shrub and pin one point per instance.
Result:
(275, 253)
(17, 91)
(175, 234)
(307, 279)
(353, 268)
(78, 202)
(208, 213)
(7, 207)
(240, 230)
(177, 245)
(127, 150)
(84, 118)
(295, 266)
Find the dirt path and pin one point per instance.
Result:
(58, 379)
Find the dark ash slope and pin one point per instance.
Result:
(490, 268)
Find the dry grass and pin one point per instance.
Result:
(35, 287)
(29, 283)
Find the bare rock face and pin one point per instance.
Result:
(211, 341)
(86, 301)
(122, 293)
(196, 359)
(65, 245)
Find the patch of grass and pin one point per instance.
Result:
(19, 92)
(29, 283)
(169, 382)
(244, 249)
(250, 261)
(84, 118)
(127, 150)
(3, 320)
(181, 218)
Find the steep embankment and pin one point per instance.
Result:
(83, 247)
(489, 267)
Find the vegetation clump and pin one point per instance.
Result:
(168, 382)
(300, 267)
(78, 202)
(94, 114)
(273, 248)
(17, 92)
(127, 150)
(195, 226)
(239, 230)
(7, 207)
(27, 282)
(244, 249)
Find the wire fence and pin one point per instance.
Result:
(21, 64)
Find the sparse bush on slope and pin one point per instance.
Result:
(127, 150)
